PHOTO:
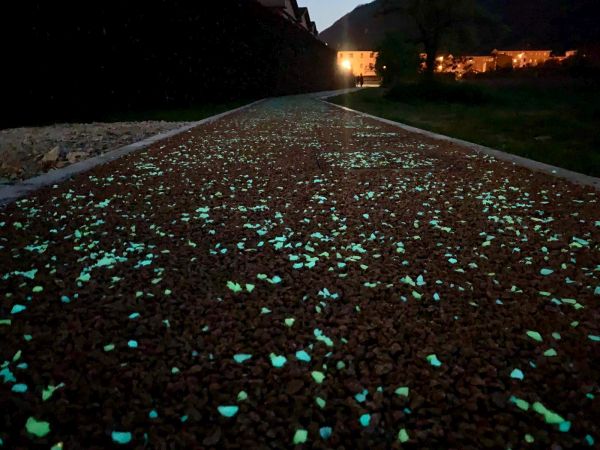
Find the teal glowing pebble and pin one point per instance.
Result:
(38, 429)
(19, 388)
(517, 374)
(550, 353)
(18, 309)
(301, 355)
(549, 416)
(546, 272)
(289, 322)
(565, 426)
(242, 396)
(434, 361)
(403, 436)
(278, 361)
(362, 396)
(153, 414)
(132, 344)
(228, 411)
(241, 358)
(325, 432)
(594, 338)
(365, 420)
(321, 402)
(402, 391)
(318, 376)
(121, 437)
(109, 347)
(300, 437)
(535, 336)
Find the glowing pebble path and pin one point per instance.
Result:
(298, 275)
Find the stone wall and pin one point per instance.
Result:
(82, 61)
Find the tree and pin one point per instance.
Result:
(435, 21)
(398, 58)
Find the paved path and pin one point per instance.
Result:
(297, 272)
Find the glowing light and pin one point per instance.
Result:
(346, 64)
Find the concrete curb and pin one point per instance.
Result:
(537, 166)
(9, 194)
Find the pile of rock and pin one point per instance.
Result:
(27, 152)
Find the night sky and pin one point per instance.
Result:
(326, 12)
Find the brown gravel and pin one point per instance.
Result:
(318, 217)
(23, 150)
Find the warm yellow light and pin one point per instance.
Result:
(440, 67)
(346, 64)
(440, 58)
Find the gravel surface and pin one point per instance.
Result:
(27, 152)
(297, 274)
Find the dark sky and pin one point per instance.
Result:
(325, 12)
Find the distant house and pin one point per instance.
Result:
(289, 10)
(358, 62)
(525, 58)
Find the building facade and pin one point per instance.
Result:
(358, 62)
(289, 10)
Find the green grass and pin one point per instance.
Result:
(190, 114)
(564, 118)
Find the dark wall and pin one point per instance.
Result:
(81, 61)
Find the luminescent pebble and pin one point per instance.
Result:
(529, 439)
(242, 396)
(365, 420)
(535, 336)
(434, 361)
(16, 309)
(278, 361)
(300, 437)
(320, 402)
(521, 404)
(301, 355)
(289, 322)
(37, 428)
(241, 357)
(402, 391)
(318, 376)
(565, 426)
(19, 388)
(325, 432)
(361, 396)
(550, 352)
(550, 416)
(546, 272)
(153, 414)
(589, 440)
(403, 435)
(109, 347)
(37, 289)
(594, 338)
(132, 344)
(517, 374)
(121, 437)
(228, 411)
(58, 446)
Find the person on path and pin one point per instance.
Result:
(361, 80)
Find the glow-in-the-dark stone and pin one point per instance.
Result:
(121, 437)
(37, 428)
(228, 411)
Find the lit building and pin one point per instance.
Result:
(358, 62)
(525, 58)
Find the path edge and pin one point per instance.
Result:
(11, 193)
(569, 175)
